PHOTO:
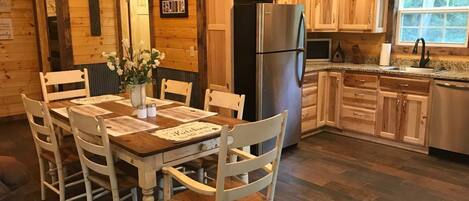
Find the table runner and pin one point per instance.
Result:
(185, 114)
(84, 109)
(124, 125)
(96, 99)
(187, 131)
(155, 101)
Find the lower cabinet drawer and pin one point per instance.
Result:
(309, 96)
(362, 98)
(359, 120)
(308, 119)
(396, 84)
(186, 151)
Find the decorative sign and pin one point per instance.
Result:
(5, 6)
(6, 29)
(173, 8)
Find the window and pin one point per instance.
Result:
(439, 22)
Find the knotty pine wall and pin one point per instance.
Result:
(176, 37)
(87, 49)
(19, 61)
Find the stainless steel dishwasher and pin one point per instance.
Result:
(449, 126)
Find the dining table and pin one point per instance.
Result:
(147, 152)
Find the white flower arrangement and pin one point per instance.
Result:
(135, 65)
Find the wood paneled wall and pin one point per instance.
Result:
(19, 61)
(87, 49)
(177, 37)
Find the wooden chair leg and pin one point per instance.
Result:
(61, 183)
(89, 190)
(42, 174)
(201, 175)
(168, 187)
(134, 194)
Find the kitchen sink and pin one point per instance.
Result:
(408, 69)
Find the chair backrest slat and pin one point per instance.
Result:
(178, 88)
(224, 100)
(244, 135)
(64, 77)
(244, 166)
(242, 191)
(67, 94)
(256, 132)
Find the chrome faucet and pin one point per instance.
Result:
(423, 61)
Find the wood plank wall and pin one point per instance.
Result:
(86, 48)
(176, 37)
(19, 61)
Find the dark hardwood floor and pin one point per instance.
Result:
(321, 167)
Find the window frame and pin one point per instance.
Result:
(401, 11)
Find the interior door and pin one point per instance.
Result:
(219, 45)
(414, 119)
(389, 108)
(325, 15)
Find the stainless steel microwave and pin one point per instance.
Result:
(319, 49)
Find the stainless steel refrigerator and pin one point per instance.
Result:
(269, 63)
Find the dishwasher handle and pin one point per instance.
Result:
(452, 85)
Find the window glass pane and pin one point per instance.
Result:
(455, 35)
(456, 19)
(433, 35)
(413, 3)
(409, 34)
(435, 3)
(458, 2)
(434, 19)
(410, 19)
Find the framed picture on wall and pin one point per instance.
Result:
(174, 8)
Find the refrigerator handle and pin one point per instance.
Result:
(302, 27)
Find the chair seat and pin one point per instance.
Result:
(124, 181)
(189, 195)
(68, 154)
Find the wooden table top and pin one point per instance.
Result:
(143, 143)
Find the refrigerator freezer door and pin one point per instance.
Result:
(279, 28)
(279, 90)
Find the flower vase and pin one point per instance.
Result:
(137, 95)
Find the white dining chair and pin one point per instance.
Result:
(92, 142)
(64, 77)
(49, 151)
(224, 100)
(227, 187)
(216, 100)
(176, 87)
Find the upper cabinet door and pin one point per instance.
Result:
(325, 15)
(356, 15)
(414, 119)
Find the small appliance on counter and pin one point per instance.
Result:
(319, 50)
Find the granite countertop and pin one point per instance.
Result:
(373, 68)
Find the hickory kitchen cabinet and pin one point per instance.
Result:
(329, 99)
(309, 102)
(403, 109)
(349, 15)
(322, 93)
(359, 103)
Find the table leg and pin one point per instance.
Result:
(147, 180)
